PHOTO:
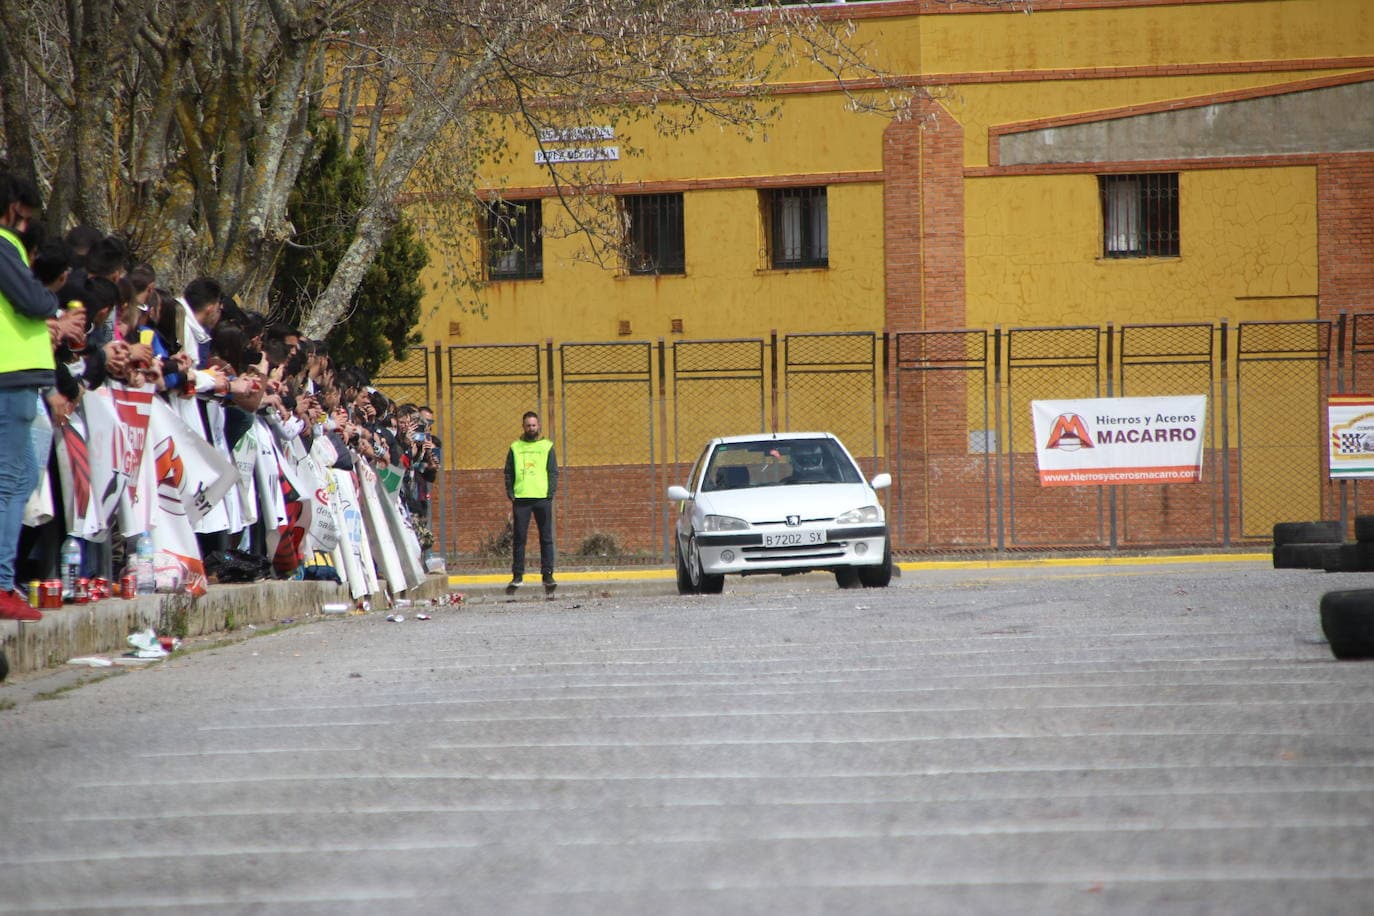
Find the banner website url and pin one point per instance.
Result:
(1143, 475)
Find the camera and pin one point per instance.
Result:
(418, 436)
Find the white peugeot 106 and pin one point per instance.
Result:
(779, 503)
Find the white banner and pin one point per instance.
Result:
(1350, 417)
(1098, 441)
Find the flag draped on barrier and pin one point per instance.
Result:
(127, 456)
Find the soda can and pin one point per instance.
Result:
(128, 586)
(83, 591)
(100, 588)
(52, 593)
(35, 593)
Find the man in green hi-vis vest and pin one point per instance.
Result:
(531, 481)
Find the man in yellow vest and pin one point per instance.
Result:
(26, 370)
(531, 481)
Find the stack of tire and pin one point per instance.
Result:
(1308, 545)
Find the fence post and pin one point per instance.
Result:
(661, 478)
(1223, 416)
(1001, 441)
(1111, 392)
(439, 520)
(773, 351)
(1340, 389)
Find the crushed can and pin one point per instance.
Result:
(82, 593)
(100, 588)
(128, 586)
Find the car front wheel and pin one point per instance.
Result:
(701, 581)
(878, 576)
(685, 585)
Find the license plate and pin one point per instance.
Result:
(793, 538)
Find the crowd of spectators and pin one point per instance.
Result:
(103, 316)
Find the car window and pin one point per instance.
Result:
(774, 462)
(694, 479)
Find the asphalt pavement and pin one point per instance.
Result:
(1137, 737)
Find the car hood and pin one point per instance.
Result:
(774, 504)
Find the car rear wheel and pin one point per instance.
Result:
(685, 585)
(878, 576)
(700, 581)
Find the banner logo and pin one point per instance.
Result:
(1069, 433)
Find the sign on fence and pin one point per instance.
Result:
(1097, 441)
(1350, 417)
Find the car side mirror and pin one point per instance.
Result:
(678, 494)
(882, 481)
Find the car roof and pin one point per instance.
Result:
(764, 437)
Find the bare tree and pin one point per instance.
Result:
(184, 123)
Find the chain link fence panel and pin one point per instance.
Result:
(1281, 390)
(1049, 364)
(945, 449)
(1167, 361)
(610, 484)
(407, 380)
(831, 385)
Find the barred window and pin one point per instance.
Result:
(798, 227)
(1139, 215)
(653, 233)
(515, 240)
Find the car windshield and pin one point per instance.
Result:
(774, 462)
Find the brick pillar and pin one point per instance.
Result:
(1345, 234)
(923, 220)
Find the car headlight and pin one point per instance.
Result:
(723, 523)
(858, 516)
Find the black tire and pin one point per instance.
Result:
(878, 576)
(1348, 622)
(1308, 533)
(1340, 558)
(847, 577)
(703, 582)
(1364, 529)
(684, 578)
(1300, 556)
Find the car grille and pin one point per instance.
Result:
(805, 552)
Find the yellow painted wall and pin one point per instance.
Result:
(1248, 251)
(726, 291)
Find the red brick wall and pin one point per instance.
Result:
(923, 220)
(1345, 234)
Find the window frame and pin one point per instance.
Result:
(1140, 215)
(811, 230)
(654, 226)
(523, 241)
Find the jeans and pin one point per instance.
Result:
(18, 471)
(542, 510)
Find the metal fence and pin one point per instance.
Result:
(947, 412)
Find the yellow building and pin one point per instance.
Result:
(1065, 163)
(1011, 196)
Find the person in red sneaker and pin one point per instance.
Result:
(26, 369)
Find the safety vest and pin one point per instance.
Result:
(24, 341)
(531, 468)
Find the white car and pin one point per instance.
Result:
(779, 503)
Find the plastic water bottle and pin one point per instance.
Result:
(145, 575)
(71, 567)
